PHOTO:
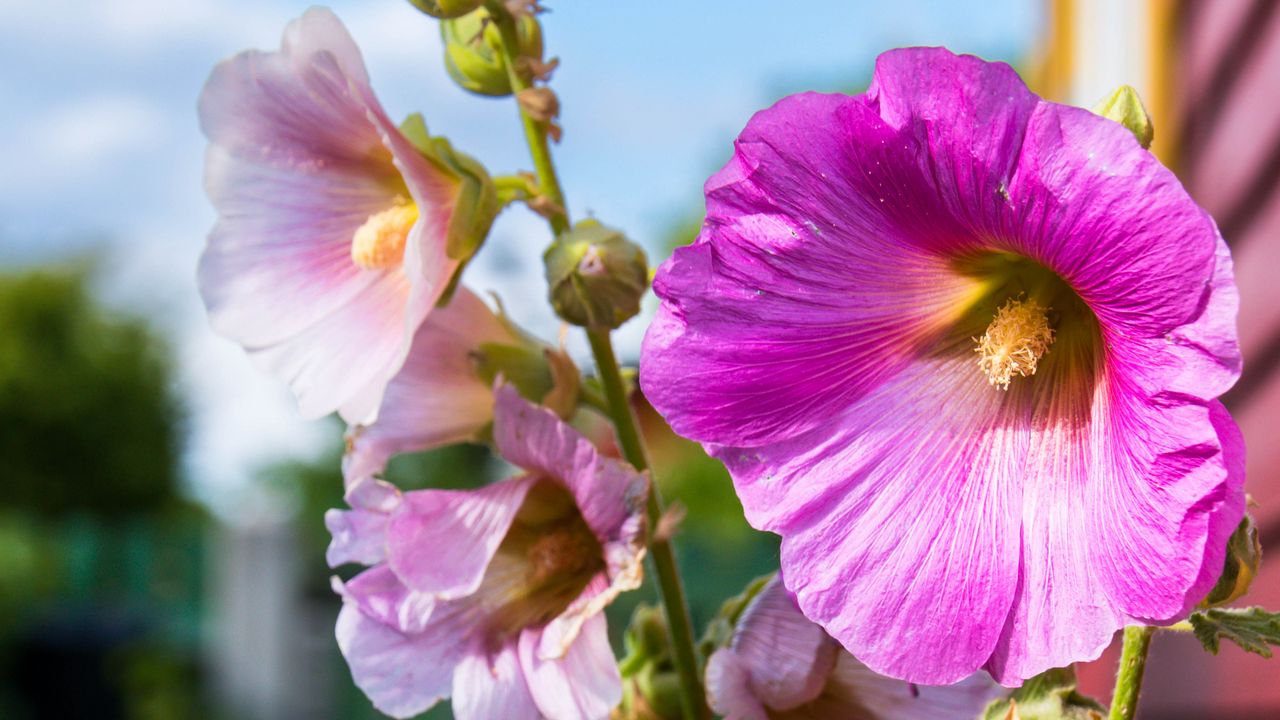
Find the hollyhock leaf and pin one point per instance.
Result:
(1076, 476)
(1050, 695)
(1253, 629)
(491, 686)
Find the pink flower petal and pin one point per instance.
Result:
(486, 687)
(436, 398)
(607, 491)
(402, 673)
(729, 692)
(582, 685)
(789, 657)
(441, 541)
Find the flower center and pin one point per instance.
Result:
(1014, 342)
(379, 242)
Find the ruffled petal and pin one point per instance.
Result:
(729, 690)
(441, 541)
(380, 595)
(582, 685)
(492, 686)
(853, 688)
(914, 578)
(789, 657)
(402, 673)
(436, 398)
(607, 492)
(359, 535)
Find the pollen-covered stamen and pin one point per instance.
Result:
(379, 242)
(1014, 342)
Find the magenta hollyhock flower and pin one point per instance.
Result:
(961, 348)
(331, 244)
(781, 666)
(441, 395)
(495, 596)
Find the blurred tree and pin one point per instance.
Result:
(89, 419)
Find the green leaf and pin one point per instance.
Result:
(1051, 695)
(1253, 629)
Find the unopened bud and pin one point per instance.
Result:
(651, 687)
(446, 8)
(1244, 553)
(596, 276)
(1125, 107)
(473, 51)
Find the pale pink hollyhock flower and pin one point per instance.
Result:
(781, 666)
(444, 392)
(494, 597)
(333, 235)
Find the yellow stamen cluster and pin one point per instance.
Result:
(379, 242)
(1014, 342)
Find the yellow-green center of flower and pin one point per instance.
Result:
(1014, 342)
(379, 242)
(545, 561)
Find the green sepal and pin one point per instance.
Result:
(1125, 107)
(1051, 695)
(720, 630)
(444, 9)
(476, 202)
(1253, 629)
(651, 686)
(1244, 554)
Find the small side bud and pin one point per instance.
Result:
(445, 9)
(1125, 107)
(596, 276)
(473, 51)
(651, 687)
(1244, 553)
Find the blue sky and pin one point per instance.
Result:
(100, 150)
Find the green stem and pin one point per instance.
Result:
(1133, 662)
(660, 550)
(535, 132)
(670, 589)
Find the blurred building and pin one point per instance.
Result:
(1210, 75)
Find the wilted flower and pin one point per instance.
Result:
(444, 392)
(943, 509)
(336, 233)
(494, 596)
(781, 666)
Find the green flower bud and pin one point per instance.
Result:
(1244, 553)
(446, 8)
(596, 276)
(1125, 107)
(651, 687)
(473, 51)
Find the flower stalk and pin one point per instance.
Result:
(620, 413)
(1133, 663)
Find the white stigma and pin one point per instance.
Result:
(1014, 342)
